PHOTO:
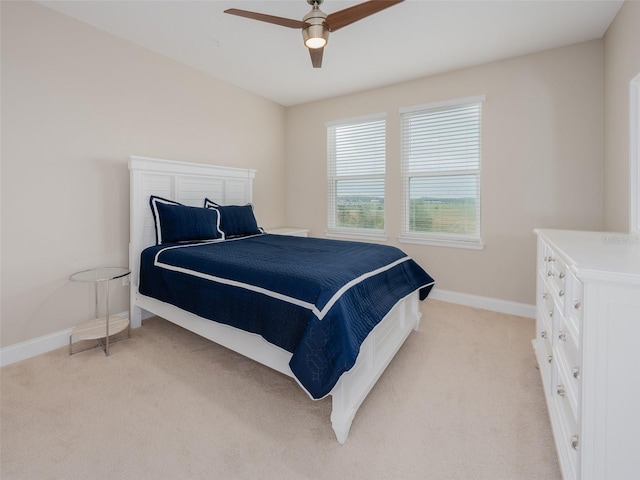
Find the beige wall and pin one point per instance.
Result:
(76, 102)
(542, 161)
(621, 65)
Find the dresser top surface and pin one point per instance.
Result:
(596, 252)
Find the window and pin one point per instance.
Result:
(356, 155)
(441, 173)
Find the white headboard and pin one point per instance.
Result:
(187, 183)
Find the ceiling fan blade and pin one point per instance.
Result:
(316, 56)
(350, 15)
(285, 22)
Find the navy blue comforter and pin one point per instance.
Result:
(315, 298)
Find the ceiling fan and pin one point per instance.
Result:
(316, 24)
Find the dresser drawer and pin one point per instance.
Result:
(557, 277)
(567, 437)
(567, 380)
(544, 357)
(547, 270)
(567, 340)
(574, 301)
(566, 352)
(544, 346)
(545, 313)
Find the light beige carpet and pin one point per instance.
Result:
(461, 400)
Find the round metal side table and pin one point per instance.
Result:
(100, 328)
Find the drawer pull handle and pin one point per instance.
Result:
(575, 442)
(576, 372)
(551, 314)
(543, 334)
(561, 391)
(545, 296)
(561, 293)
(577, 304)
(550, 358)
(550, 274)
(562, 336)
(561, 275)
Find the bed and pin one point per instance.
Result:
(240, 291)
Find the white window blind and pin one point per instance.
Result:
(356, 156)
(441, 148)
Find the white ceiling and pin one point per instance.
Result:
(410, 40)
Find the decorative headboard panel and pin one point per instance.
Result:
(187, 183)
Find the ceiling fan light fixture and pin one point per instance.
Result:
(316, 33)
(315, 36)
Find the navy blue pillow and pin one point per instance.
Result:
(175, 222)
(235, 220)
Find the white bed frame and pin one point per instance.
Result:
(189, 184)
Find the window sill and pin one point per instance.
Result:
(442, 242)
(357, 235)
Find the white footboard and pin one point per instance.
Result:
(376, 352)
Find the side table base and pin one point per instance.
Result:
(97, 329)
(100, 342)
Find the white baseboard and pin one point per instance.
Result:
(38, 346)
(486, 303)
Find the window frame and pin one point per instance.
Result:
(437, 238)
(354, 233)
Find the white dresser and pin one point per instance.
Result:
(588, 350)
